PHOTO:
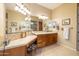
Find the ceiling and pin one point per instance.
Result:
(50, 5)
(46, 5)
(10, 6)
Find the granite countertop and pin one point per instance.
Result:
(43, 32)
(20, 42)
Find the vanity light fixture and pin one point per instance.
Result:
(20, 8)
(26, 10)
(42, 17)
(28, 18)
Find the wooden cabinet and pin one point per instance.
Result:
(41, 40)
(1, 53)
(52, 38)
(18, 51)
(46, 39)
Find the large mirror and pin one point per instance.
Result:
(16, 22)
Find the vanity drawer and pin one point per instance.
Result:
(40, 45)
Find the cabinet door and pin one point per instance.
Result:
(18, 51)
(42, 44)
(55, 38)
(7, 52)
(41, 40)
(51, 38)
(1, 53)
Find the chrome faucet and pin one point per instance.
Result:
(6, 42)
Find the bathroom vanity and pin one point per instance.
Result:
(18, 47)
(46, 38)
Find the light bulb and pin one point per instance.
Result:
(27, 11)
(24, 13)
(44, 17)
(19, 4)
(29, 19)
(20, 10)
(16, 8)
(22, 7)
(26, 18)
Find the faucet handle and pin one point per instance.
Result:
(6, 42)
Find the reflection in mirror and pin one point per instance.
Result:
(17, 22)
(50, 25)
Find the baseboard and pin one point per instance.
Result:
(67, 46)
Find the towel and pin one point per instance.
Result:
(66, 32)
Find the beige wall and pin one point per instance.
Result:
(63, 12)
(2, 22)
(38, 10)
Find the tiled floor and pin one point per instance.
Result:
(56, 50)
